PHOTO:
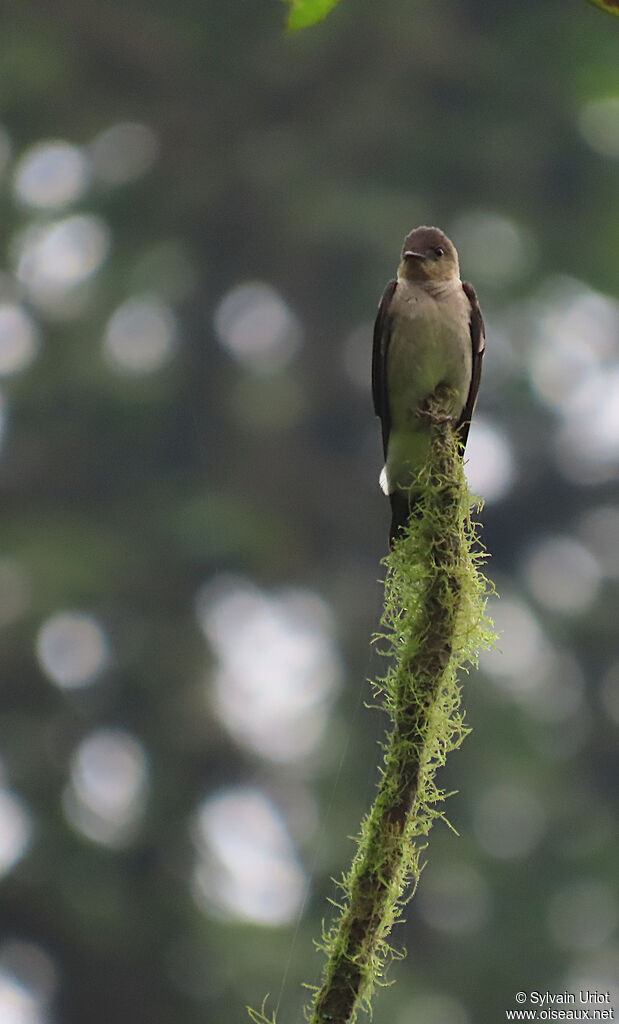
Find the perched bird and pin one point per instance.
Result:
(429, 332)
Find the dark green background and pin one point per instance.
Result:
(300, 162)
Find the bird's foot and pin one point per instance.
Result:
(428, 411)
(434, 407)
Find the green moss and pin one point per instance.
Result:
(259, 1016)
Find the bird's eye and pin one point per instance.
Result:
(439, 251)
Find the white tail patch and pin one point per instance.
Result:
(384, 481)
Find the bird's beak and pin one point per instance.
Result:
(410, 255)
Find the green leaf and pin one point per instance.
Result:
(612, 6)
(308, 12)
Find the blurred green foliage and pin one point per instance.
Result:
(610, 6)
(307, 12)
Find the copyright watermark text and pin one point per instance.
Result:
(585, 1004)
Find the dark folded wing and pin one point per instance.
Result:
(382, 335)
(478, 346)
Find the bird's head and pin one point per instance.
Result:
(429, 255)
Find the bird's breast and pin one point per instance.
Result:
(430, 345)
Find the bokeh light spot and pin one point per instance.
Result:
(246, 868)
(509, 821)
(141, 335)
(575, 338)
(18, 1004)
(599, 530)
(574, 369)
(15, 831)
(587, 443)
(72, 649)
(51, 174)
(493, 250)
(583, 914)
(257, 328)
(563, 740)
(490, 463)
(435, 1008)
(453, 898)
(19, 338)
(523, 652)
(562, 574)
(107, 793)
(596, 971)
(278, 666)
(558, 694)
(123, 152)
(54, 258)
(599, 125)
(28, 982)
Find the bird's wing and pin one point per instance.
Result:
(382, 336)
(478, 347)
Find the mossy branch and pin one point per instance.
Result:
(434, 623)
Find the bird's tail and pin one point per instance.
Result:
(400, 513)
